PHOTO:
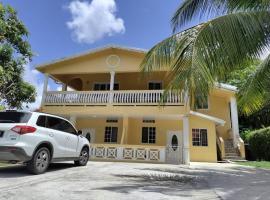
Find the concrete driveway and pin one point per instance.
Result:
(107, 180)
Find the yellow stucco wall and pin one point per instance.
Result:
(162, 128)
(219, 107)
(208, 153)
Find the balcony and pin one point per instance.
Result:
(117, 98)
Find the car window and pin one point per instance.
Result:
(60, 125)
(14, 117)
(41, 121)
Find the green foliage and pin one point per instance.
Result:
(15, 52)
(259, 141)
(245, 134)
(237, 33)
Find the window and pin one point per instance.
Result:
(201, 103)
(149, 121)
(112, 120)
(154, 85)
(149, 135)
(110, 134)
(105, 86)
(41, 121)
(60, 125)
(14, 117)
(199, 137)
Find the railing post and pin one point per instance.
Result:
(111, 87)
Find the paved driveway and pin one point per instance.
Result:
(105, 180)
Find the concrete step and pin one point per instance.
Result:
(231, 154)
(233, 158)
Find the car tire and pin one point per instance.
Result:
(84, 157)
(40, 161)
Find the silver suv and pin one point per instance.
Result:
(38, 139)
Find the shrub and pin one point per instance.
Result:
(245, 134)
(259, 141)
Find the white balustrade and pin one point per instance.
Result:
(130, 97)
(127, 152)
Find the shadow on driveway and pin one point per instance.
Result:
(12, 171)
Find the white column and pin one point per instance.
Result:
(45, 88)
(111, 85)
(186, 157)
(234, 119)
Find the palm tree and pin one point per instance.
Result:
(198, 58)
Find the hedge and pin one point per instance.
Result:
(259, 141)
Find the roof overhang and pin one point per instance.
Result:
(208, 117)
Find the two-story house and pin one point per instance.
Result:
(119, 110)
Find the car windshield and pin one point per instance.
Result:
(14, 117)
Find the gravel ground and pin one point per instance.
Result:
(115, 180)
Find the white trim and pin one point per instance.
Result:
(226, 87)
(208, 117)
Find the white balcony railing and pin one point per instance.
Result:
(124, 97)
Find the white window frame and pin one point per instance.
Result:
(208, 105)
(148, 131)
(200, 137)
(110, 139)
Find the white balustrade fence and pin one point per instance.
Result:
(127, 152)
(131, 97)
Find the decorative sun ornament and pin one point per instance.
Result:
(113, 61)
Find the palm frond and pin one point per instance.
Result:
(204, 54)
(255, 93)
(199, 9)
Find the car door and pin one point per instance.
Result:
(60, 137)
(72, 139)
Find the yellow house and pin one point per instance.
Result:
(118, 109)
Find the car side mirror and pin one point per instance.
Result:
(79, 132)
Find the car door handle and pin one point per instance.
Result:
(68, 138)
(51, 135)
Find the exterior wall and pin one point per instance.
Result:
(162, 127)
(134, 111)
(198, 154)
(127, 81)
(134, 132)
(96, 63)
(219, 107)
(99, 126)
(203, 154)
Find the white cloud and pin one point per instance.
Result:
(32, 76)
(94, 20)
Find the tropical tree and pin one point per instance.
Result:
(236, 32)
(15, 52)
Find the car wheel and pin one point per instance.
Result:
(40, 161)
(84, 157)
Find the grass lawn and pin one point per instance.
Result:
(259, 164)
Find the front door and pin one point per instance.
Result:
(174, 147)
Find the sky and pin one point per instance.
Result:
(65, 27)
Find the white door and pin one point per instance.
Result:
(89, 133)
(174, 147)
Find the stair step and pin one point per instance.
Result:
(231, 154)
(233, 158)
